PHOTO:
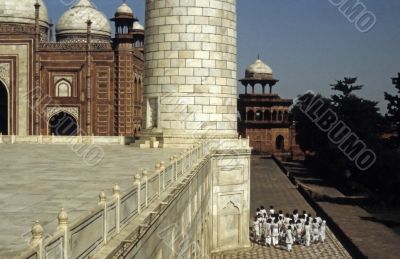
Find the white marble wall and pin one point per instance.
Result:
(212, 212)
(191, 67)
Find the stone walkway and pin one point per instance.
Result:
(269, 186)
(370, 237)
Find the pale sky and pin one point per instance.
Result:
(308, 43)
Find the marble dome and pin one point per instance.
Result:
(124, 9)
(137, 26)
(258, 68)
(23, 11)
(73, 21)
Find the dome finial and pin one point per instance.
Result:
(258, 56)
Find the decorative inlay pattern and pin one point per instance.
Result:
(74, 46)
(74, 111)
(5, 73)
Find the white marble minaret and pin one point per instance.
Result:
(190, 70)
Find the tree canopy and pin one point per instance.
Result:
(361, 116)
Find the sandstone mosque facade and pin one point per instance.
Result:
(81, 77)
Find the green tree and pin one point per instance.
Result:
(310, 138)
(361, 115)
(393, 107)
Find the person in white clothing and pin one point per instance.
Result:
(299, 231)
(289, 238)
(281, 227)
(275, 232)
(302, 220)
(258, 212)
(287, 219)
(271, 210)
(263, 210)
(280, 214)
(262, 222)
(295, 215)
(315, 231)
(322, 229)
(256, 230)
(305, 215)
(268, 233)
(307, 233)
(319, 219)
(310, 219)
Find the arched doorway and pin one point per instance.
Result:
(63, 124)
(259, 115)
(267, 115)
(3, 109)
(274, 116)
(280, 143)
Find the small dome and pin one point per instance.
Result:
(124, 9)
(23, 11)
(74, 22)
(258, 68)
(138, 26)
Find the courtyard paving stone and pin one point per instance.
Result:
(372, 238)
(270, 186)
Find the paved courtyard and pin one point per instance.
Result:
(269, 186)
(352, 219)
(38, 180)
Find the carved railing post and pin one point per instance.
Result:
(193, 154)
(103, 203)
(182, 157)
(176, 166)
(37, 239)
(137, 183)
(197, 152)
(146, 181)
(187, 155)
(117, 197)
(172, 162)
(158, 172)
(162, 169)
(63, 227)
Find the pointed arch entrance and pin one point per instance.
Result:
(4, 113)
(63, 124)
(280, 143)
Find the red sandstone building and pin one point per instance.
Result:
(264, 116)
(82, 82)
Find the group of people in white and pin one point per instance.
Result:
(271, 228)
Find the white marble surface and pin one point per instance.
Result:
(38, 180)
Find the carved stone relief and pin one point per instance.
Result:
(5, 73)
(74, 111)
